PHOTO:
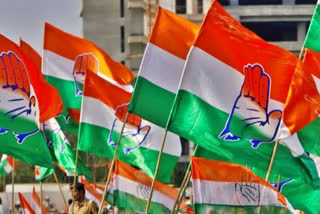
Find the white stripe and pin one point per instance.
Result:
(97, 113)
(317, 81)
(8, 168)
(128, 186)
(35, 207)
(57, 66)
(209, 79)
(161, 68)
(90, 196)
(318, 2)
(230, 193)
(293, 143)
(60, 67)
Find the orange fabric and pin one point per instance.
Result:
(219, 171)
(226, 39)
(26, 74)
(169, 29)
(74, 114)
(69, 46)
(303, 95)
(36, 199)
(51, 105)
(135, 175)
(10, 160)
(92, 190)
(24, 204)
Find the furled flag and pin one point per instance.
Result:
(312, 40)
(66, 59)
(6, 164)
(103, 111)
(91, 192)
(218, 183)
(25, 206)
(62, 151)
(301, 115)
(24, 103)
(40, 173)
(231, 98)
(162, 66)
(131, 189)
(35, 204)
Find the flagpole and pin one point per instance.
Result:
(57, 181)
(12, 185)
(74, 177)
(41, 198)
(180, 191)
(183, 190)
(112, 163)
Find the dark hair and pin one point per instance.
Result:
(80, 187)
(70, 201)
(0, 201)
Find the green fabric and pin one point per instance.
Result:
(312, 40)
(151, 102)
(3, 164)
(33, 149)
(93, 139)
(44, 173)
(309, 137)
(62, 150)
(201, 123)
(67, 92)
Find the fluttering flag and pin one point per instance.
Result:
(218, 183)
(40, 173)
(131, 188)
(66, 59)
(231, 99)
(23, 104)
(162, 66)
(312, 40)
(35, 204)
(25, 206)
(62, 150)
(6, 164)
(103, 111)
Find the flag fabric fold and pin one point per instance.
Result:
(6, 164)
(131, 189)
(231, 98)
(40, 173)
(218, 183)
(22, 100)
(35, 204)
(66, 59)
(312, 40)
(162, 66)
(25, 206)
(103, 111)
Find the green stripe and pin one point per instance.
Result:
(201, 123)
(128, 201)
(94, 139)
(151, 102)
(205, 208)
(3, 164)
(312, 40)
(309, 137)
(34, 148)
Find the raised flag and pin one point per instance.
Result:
(231, 99)
(25, 206)
(131, 188)
(312, 40)
(66, 59)
(40, 173)
(23, 104)
(35, 204)
(62, 151)
(302, 111)
(103, 111)
(6, 164)
(162, 66)
(218, 183)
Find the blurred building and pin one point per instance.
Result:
(121, 27)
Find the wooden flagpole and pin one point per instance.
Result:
(41, 198)
(57, 181)
(156, 172)
(183, 190)
(74, 178)
(12, 185)
(180, 191)
(112, 163)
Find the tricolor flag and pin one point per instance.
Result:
(231, 99)
(6, 164)
(312, 40)
(40, 173)
(35, 204)
(103, 110)
(131, 188)
(162, 66)
(218, 183)
(25, 206)
(98, 188)
(66, 59)
(62, 150)
(24, 103)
